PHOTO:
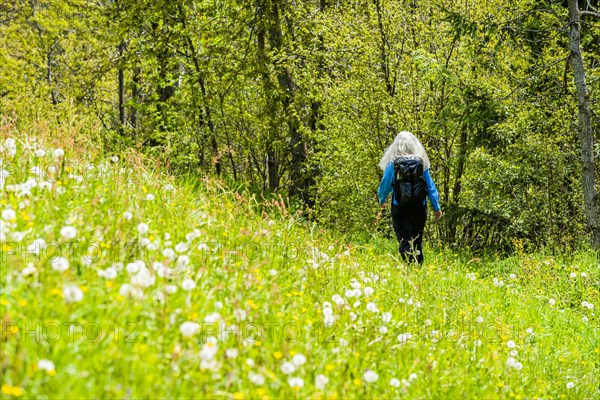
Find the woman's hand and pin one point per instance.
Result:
(438, 214)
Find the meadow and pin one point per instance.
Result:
(118, 281)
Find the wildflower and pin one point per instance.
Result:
(256, 379)
(59, 153)
(510, 344)
(231, 353)
(383, 330)
(321, 381)
(46, 365)
(135, 267)
(189, 328)
(59, 264)
(240, 314)
(212, 318)
(250, 362)
(412, 377)
(142, 228)
(72, 293)
(210, 348)
(386, 317)
(182, 247)
(288, 368)
(372, 307)
(573, 275)
(183, 261)
(583, 275)
(551, 302)
(29, 270)
(108, 273)
(272, 272)
(329, 321)
(570, 385)
(404, 337)
(149, 197)
(188, 284)
(170, 289)
(337, 299)
(370, 376)
(36, 246)
(368, 291)
(518, 366)
(68, 232)
(514, 353)
(298, 360)
(143, 278)
(127, 216)
(9, 214)
(529, 330)
(479, 319)
(394, 382)
(296, 383)
(512, 276)
(40, 153)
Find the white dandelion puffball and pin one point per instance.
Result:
(570, 385)
(321, 381)
(368, 291)
(142, 228)
(337, 299)
(149, 197)
(232, 353)
(370, 376)
(9, 214)
(45, 365)
(510, 344)
(394, 382)
(256, 379)
(40, 153)
(188, 284)
(296, 382)
(72, 293)
(189, 328)
(299, 360)
(60, 264)
(170, 289)
(404, 337)
(58, 153)
(551, 302)
(288, 368)
(127, 216)
(68, 232)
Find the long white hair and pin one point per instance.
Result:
(405, 144)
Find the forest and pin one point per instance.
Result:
(298, 99)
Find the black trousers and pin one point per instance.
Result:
(409, 223)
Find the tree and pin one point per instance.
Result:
(585, 128)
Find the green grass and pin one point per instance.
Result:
(261, 282)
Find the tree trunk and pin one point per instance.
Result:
(586, 139)
(121, 77)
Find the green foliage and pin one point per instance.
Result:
(302, 100)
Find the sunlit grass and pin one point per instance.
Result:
(184, 289)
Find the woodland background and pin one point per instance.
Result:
(300, 98)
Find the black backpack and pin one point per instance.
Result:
(409, 184)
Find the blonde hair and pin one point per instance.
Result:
(405, 144)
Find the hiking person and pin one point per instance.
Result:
(405, 168)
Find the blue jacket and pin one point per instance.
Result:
(386, 186)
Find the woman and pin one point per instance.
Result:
(408, 220)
